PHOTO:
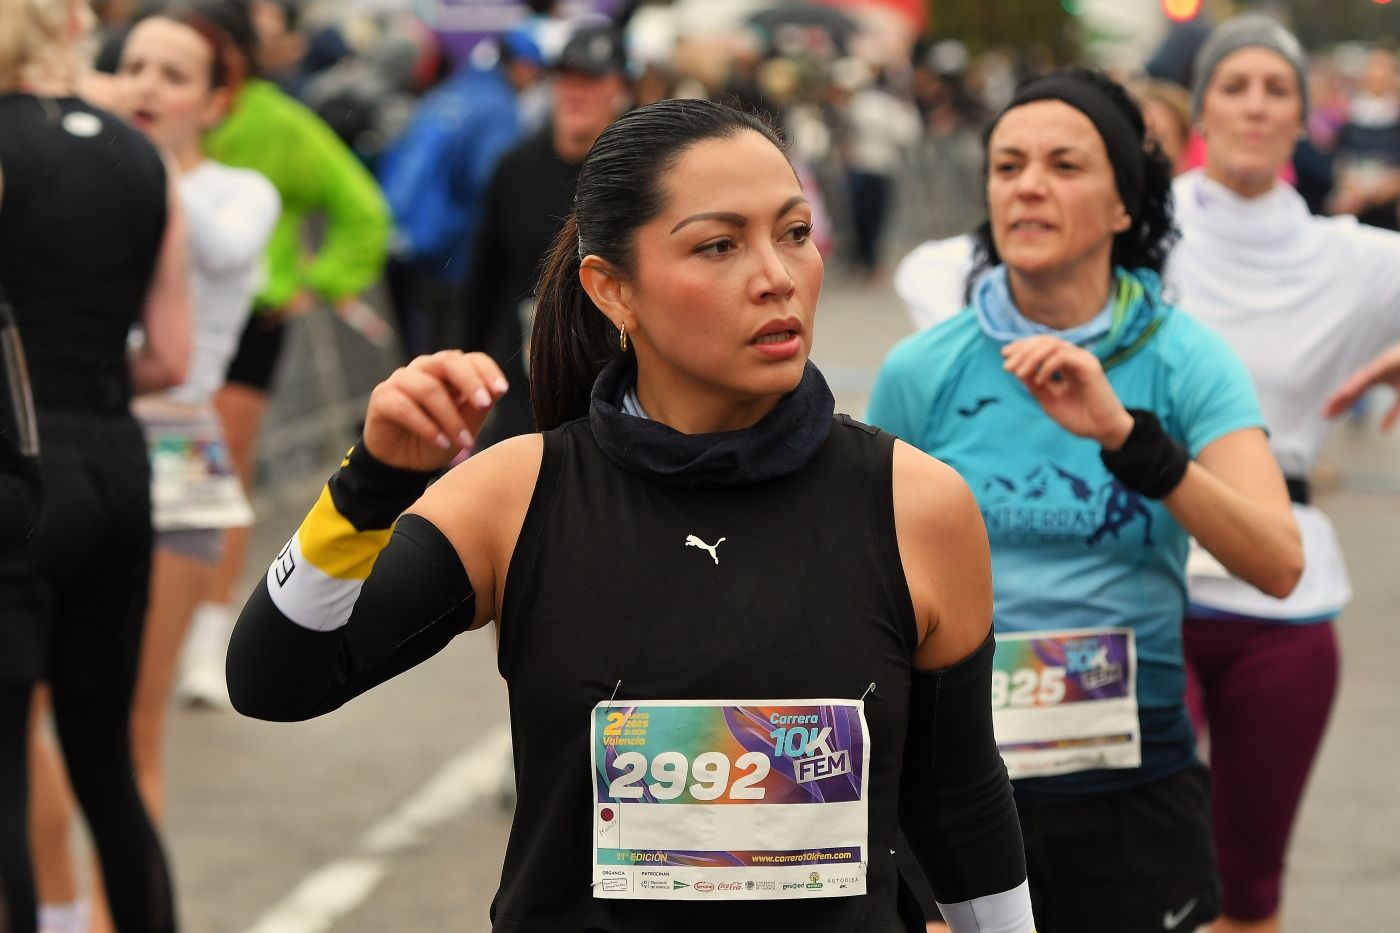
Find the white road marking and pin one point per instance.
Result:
(324, 896)
(336, 889)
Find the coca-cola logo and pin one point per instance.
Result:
(730, 886)
(704, 886)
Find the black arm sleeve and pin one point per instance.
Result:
(956, 806)
(416, 600)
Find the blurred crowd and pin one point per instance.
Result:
(442, 166)
(885, 128)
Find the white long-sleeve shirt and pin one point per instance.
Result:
(229, 217)
(1304, 301)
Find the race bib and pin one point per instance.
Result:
(730, 799)
(1066, 701)
(193, 483)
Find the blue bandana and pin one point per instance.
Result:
(1131, 315)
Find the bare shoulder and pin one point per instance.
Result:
(947, 562)
(485, 489)
(480, 507)
(929, 493)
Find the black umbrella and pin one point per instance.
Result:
(799, 15)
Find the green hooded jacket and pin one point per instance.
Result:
(315, 173)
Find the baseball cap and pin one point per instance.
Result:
(594, 50)
(518, 45)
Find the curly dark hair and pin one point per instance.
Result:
(1148, 242)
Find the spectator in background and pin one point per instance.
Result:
(939, 90)
(281, 43)
(1327, 114)
(1368, 148)
(369, 98)
(880, 132)
(435, 177)
(943, 197)
(744, 86)
(1166, 109)
(315, 175)
(525, 204)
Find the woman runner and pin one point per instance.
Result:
(178, 70)
(708, 589)
(91, 243)
(1304, 301)
(1097, 427)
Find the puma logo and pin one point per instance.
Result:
(692, 541)
(1170, 921)
(977, 406)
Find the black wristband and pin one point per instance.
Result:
(370, 493)
(1150, 462)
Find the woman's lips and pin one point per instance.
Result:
(780, 345)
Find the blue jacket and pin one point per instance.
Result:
(435, 174)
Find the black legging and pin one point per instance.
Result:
(94, 739)
(72, 605)
(94, 734)
(17, 907)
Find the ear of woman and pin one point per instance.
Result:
(605, 288)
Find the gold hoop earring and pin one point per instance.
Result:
(622, 338)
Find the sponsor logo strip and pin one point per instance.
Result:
(693, 859)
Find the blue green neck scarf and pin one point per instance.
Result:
(1129, 318)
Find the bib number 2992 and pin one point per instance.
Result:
(710, 771)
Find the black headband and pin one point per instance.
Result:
(1120, 138)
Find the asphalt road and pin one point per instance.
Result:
(388, 814)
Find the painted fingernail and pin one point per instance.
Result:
(465, 439)
(442, 441)
(482, 398)
(501, 385)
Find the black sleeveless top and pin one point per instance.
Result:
(808, 599)
(82, 214)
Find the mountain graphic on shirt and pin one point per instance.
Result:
(1039, 480)
(1111, 509)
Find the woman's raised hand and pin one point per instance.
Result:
(1383, 370)
(427, 411)
(1069, 383)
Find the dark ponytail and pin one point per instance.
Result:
(620, 188)
(571, 342)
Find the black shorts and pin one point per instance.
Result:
(255, 361)
(73, 597)
(1136, 861)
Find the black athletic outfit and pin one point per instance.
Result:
(81, 226)
(529, 196)
(805, 597)
(19, 467)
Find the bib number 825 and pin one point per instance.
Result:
(670, 771)
(1028, 687)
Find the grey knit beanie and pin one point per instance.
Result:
(1247, 31)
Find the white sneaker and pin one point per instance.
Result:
(202, 682)
(204, 686)
(71, 917)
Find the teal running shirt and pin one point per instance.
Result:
(1072, 547)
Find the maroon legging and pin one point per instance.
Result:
(1262, 691)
